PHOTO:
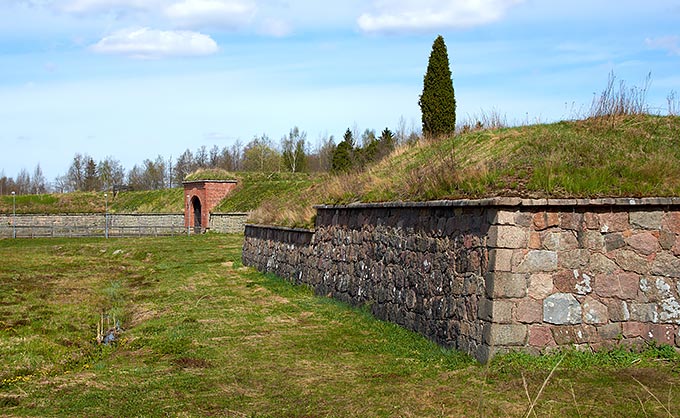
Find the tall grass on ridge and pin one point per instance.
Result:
(621, 101)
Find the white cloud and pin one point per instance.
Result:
(211, 13)
(147, 43)
(668, 43)
(419, 15)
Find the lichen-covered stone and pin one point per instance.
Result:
(594, 311)
(575, 334)
(562, 309)
(664, 334)
(643, 312)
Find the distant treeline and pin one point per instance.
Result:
(293, 153)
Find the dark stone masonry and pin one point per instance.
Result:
(493, 275)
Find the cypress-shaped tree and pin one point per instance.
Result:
(438, 103)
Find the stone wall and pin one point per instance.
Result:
(596, 274)
(495, 275)
(228, 223)
(421, 267)
(92, 224)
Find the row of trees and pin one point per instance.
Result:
(293, 153)
(437, 103)
(24, 183)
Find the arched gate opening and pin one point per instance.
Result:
(196, 207)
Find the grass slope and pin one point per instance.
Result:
(204, 336)
(255, 188)
(612, 156)
(152, 201)
(631, 156)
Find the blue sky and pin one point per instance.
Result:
(134, 79)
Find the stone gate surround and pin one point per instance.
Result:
(493, 275)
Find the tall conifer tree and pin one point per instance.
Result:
(438, 103)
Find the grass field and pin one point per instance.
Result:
(203, 336)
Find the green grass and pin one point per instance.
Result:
(151, 201)
(203, 336)
(254, 188)
(613, 156)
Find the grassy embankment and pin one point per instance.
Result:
(251, 191)
(203, 336)
(612, 156)
(153, 201)
(607, 156)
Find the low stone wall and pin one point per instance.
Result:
(422, 268)
(495, 275)
(92, 224)
(590, 273)
(228, 223)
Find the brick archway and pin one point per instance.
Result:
(201, 197)
(197, 213)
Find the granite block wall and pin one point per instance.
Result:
(494, 275)
(592, 276)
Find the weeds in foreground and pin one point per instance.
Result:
(532, 402)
